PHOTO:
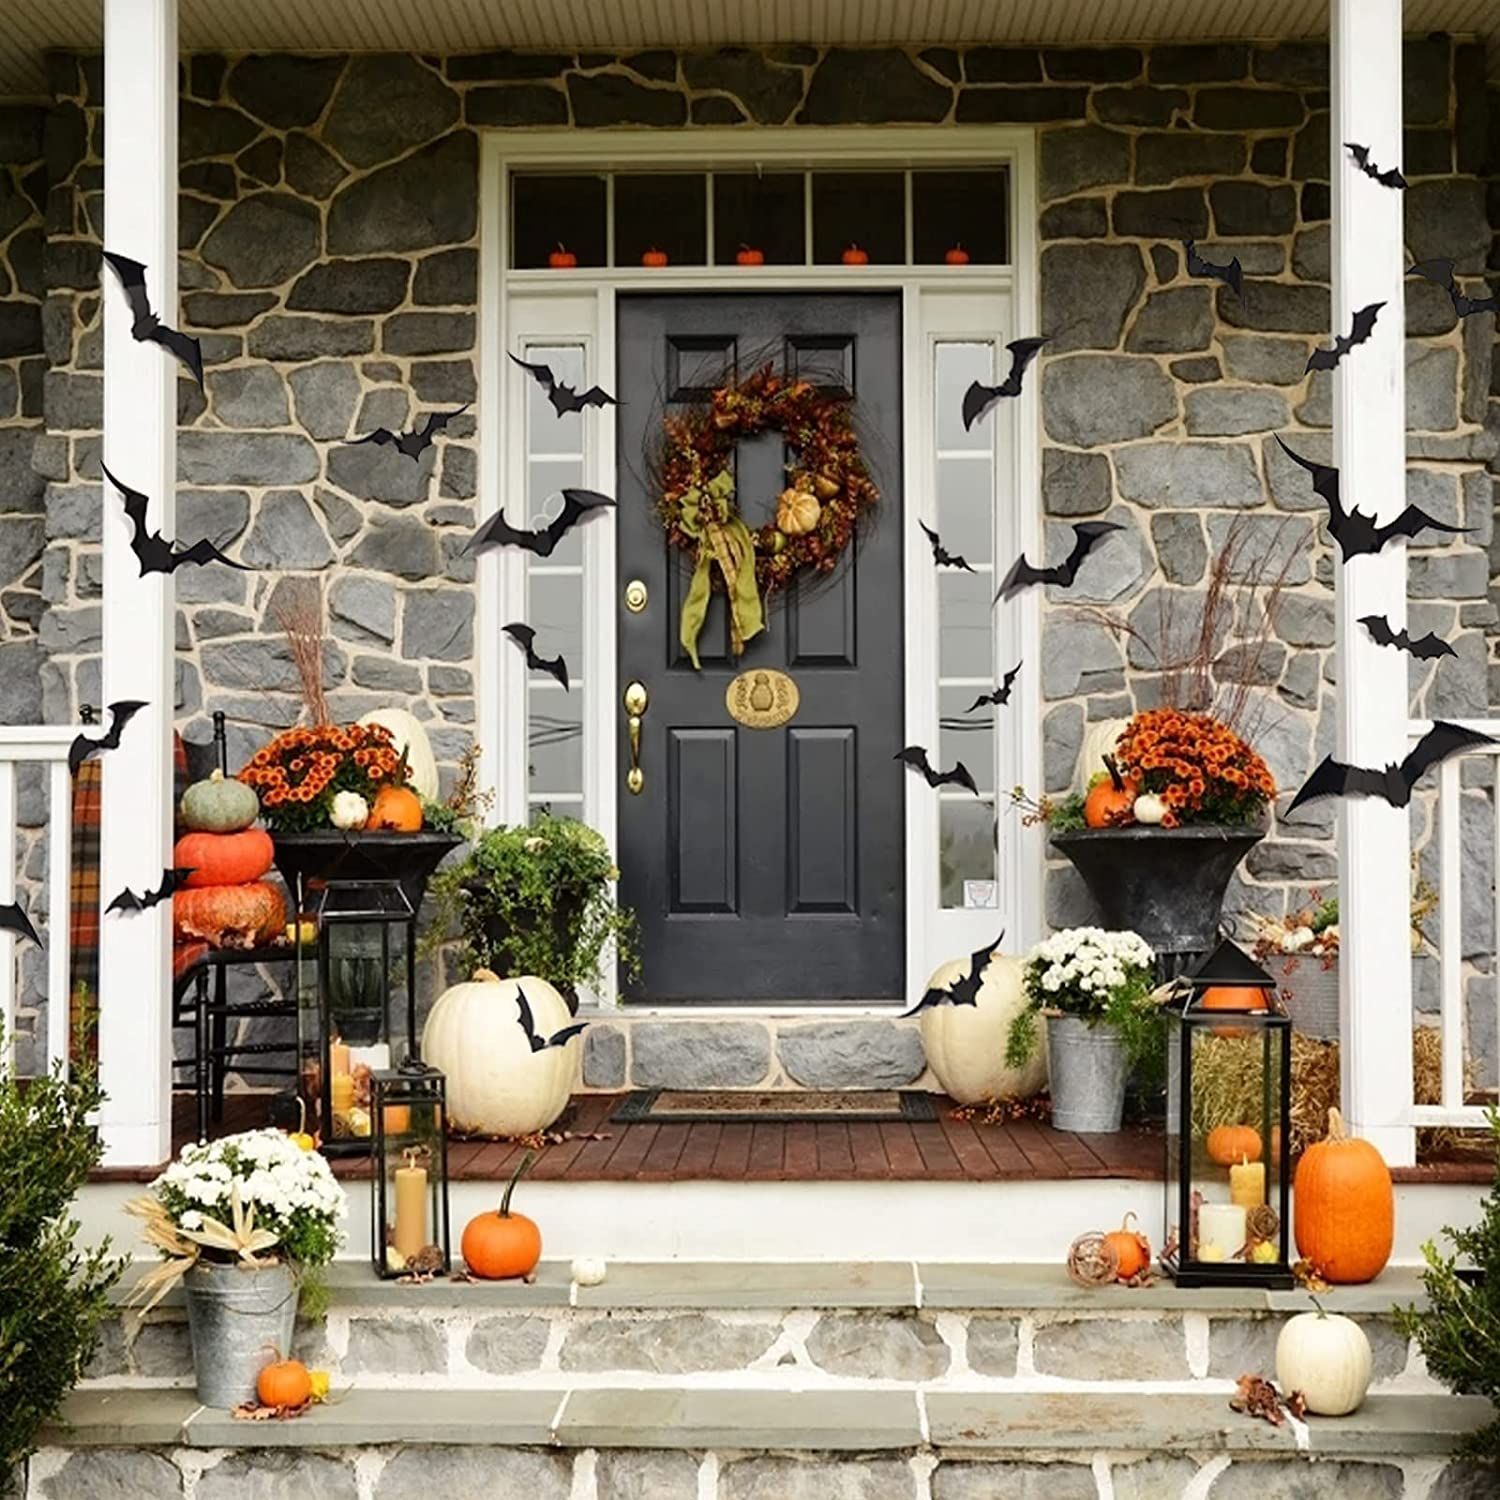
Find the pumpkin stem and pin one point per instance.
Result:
(515, 1177)
(1115, 779)
(1125, 1222)
(216, 774)
(1336, 1130)
(485, 976)
(1321, 1310)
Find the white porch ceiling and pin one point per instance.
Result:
(31, 27)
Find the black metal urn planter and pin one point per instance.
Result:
(330, 853)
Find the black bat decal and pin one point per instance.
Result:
(1332, 778)
(120, 714)
(940, 554)
(563, 397)
(1440, 271)
(979, 398)
(1424, 648)
(415, 443)
(525, 637)
(915, 756)
(1364, 324)
(13, 919)
(963, 991)
(152, 550)
(1001, 695)
(146, 327)
(1086, 536)
(498, 532)
(1390, 178)
(1232, 275)
(528, 1025)
(128, 901)
(1354, 531)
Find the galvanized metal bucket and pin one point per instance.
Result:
(1087, 1068)
(1310, 992)
(240, 1319)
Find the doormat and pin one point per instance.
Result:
(742, 1107)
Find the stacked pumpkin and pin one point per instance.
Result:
(225, 902)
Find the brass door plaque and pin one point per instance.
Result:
(762, 698)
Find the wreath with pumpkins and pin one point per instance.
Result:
(829, 490)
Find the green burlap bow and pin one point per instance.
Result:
(708, 515)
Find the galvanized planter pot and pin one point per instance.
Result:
(1310, 992)
(240, 1319)
(1087, 1067)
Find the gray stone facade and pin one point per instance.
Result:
(328, 230)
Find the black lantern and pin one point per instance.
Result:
(409, 1232)
(357, 1002)
(1229, 1127)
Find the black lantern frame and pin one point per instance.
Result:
(1265, 1034)
(409, 1108)
(349, 1002)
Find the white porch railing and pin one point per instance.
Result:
(1452, 1110)
(41, 745)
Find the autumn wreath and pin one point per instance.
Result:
(829, 489)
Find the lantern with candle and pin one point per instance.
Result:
(409, 1231)
(357, 1002)
(1228, 1179)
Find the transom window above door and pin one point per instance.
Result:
(780, 217)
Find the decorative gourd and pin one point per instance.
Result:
(1345, 1217)
(1327, 1357)
(1111, 800)
(229, 916)
(1228, 1145)
(397, 809)
(410, 740)
(497, 1246)
(1132, 1249)
(350, 811)
(496, 1084)
(965, 1044)
(224, 858)
(1149, 810)
(797, 512)
(1097, 743)
(284, 1383)
(219, 805)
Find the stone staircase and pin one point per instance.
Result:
(769, 1381)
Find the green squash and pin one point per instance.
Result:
(219, 805)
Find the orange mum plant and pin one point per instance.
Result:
(1197, 765)
(302, 770)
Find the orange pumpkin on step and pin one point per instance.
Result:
(1228, 1145)
(397, 809)
(1345, 1207)
(229, 916)
(1111, 800)
(284, 1383)
(224, 858)
(498, 1246)
(1132, 1249)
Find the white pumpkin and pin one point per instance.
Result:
(1097, 743)
(408, 734)
(496, 1084)
(1327, 1357)
(965, 1044)
(1149, 809)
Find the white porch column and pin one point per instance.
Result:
(140, 436)
(1369, 447)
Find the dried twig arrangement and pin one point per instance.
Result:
(301, 621)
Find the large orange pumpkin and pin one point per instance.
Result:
(284, 1383)
(1111, 799)
(397, 809)
(1345, 1214)
(1228, 1145)
(224, 858)
(229, 916)
(500, 1245)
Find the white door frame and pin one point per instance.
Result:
(937, 301)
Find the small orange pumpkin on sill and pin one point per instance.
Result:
(856, 255)
(654, 257)
(956, 255)
(1110, 802)
(562, 259)
(284, 1383)
(502, 1245)
(749, 255)
(1132, 1249)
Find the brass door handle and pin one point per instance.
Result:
(636, 700)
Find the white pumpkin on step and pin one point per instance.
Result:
(409, 736)
(1327, 1357)
(965, 1044)
(496, 1084)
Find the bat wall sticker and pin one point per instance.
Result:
(940, 554)
(525, 637)
(1086, 536)
(14, 919)
(1354, 531)
(527, 1023)
(1440, 271)
(979, 398)
(1232, 275)
(915, 757)
(1425, 648)
(1363, 326)
(498, 532)
(563, 397)
(1390, 178)
(147, 327)
(120, 714)
(415, 443)
(152, 550)
(1332, 778)
(964, 991)
(127, 901)
(1001, 695)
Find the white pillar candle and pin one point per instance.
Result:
(1222, 1225)
(376, 1058)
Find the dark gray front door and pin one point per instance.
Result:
(764, 864)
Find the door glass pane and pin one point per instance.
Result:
(958, 367)
(558, 213)
(966, 850)
(665, 211)
(762, 211)
(867, 209)
(965, 210)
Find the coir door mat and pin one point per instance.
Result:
(735, 1106)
